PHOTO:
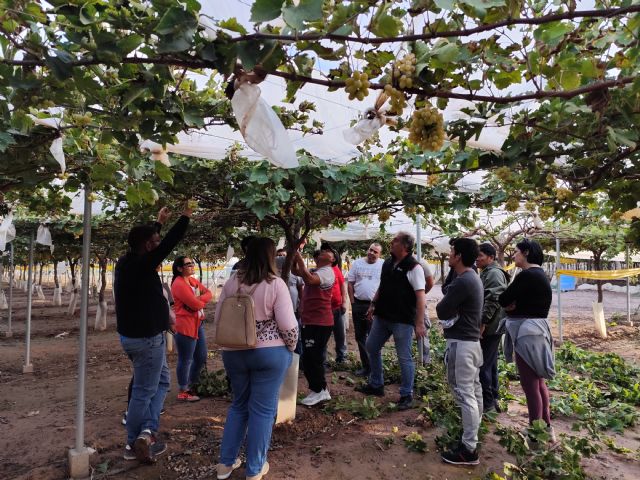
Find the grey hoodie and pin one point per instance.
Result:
(531, 339)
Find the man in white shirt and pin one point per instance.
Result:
(364, 279)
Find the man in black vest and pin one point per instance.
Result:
(397, 309)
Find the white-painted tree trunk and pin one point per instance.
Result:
(40, 293)
(598, 316)
(3, 301)
(25, 286)
(101, 316)
(73, 302)
(57, 296)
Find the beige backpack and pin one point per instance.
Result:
(236, 326)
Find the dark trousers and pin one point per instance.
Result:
(489, 370)
(314, 339)
(298, 349)
(361, 328)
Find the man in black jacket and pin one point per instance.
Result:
(397, 309)
(142, 315)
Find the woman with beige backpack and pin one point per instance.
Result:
(257, 329)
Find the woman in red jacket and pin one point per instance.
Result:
(190, 298)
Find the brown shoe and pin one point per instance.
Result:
(265, 470)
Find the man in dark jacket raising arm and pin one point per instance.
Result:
(142, 315)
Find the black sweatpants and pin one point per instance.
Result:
(315, 338)
(361, 327)
(489, 370)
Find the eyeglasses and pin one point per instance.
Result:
(189, 264)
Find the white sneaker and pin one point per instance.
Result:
(316, 397)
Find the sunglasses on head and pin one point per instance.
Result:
(189, 264)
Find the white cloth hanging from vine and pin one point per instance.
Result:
(7, 231)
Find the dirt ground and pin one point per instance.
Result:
(38, 412)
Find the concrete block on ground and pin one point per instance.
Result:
(79, 468)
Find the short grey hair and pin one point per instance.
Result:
(407, 240)
(376, 244)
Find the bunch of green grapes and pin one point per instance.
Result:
(384, 215)
(504, 173)
(404, 69)
(512, 204)
(357, 86)
(427, 128)
(397, 100)
(563, 194)
(545, 213)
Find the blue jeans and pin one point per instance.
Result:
(192, 356)
(402, 333)
(340, 335)
(150, 383)
(256, 376)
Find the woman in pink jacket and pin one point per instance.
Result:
(190, 298)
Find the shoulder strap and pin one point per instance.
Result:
(250, 292)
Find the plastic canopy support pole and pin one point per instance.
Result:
(28, 366)
(419, 255)
(628, 289)
(9, 332)
(79, 456)
(558, 287)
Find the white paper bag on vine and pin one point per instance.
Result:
(7, 231)
(364, 129)
(261, 128)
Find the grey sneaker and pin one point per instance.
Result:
(142, 447)
(224, 471)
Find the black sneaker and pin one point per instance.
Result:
(361, 372)
(124, 419)
(461, 456)
(157, 448)
(340, 365)
(489, 409)
(405, 403)
(369, 390)
(129, 454)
